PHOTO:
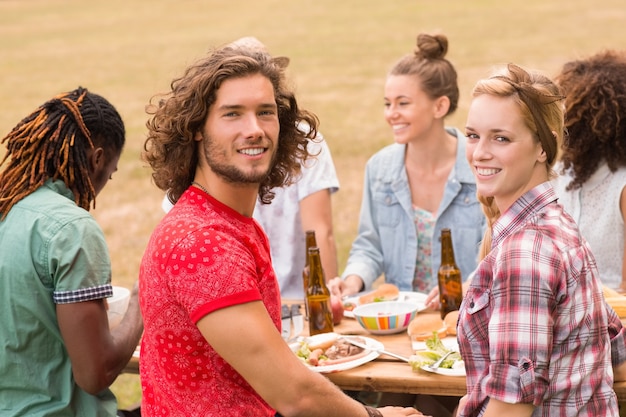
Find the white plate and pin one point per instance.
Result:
(408, 296)
(449, 342)
(373, 354)
(446, 371)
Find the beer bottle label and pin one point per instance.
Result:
(453, 286)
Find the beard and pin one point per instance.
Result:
(217, 160)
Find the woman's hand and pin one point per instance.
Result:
(336, 286)
(345, 287)
(432, 300)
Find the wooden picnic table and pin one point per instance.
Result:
(388, 374)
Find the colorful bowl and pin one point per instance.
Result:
(385, 317)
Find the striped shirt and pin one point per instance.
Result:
(533, 324)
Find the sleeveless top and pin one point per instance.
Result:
(596, 209)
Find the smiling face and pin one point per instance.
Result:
(506, 159)
(240, 134)
(410, 112)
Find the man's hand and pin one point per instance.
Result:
(399, 411)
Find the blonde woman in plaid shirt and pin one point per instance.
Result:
(533, 325)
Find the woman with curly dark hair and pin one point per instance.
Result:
(593, 164)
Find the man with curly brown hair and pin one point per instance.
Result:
(226, 134)
(593, 164)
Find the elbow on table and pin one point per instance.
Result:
(301, 395)
(299, 407)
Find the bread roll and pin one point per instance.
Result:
(322, 341)
(450, 321)
(384, 292)
(423, 326)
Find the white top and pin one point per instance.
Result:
(281, 219)
(596, 209)
(282, 223)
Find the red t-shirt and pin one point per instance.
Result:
(203, 256)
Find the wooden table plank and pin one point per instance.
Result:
(397, 377)
(387, 374)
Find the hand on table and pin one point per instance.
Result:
(391, 411)
(432, 300)
(335, 285)
(342, 288)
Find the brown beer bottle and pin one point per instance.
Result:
(318, 296)
(449, 277)
(310, 242)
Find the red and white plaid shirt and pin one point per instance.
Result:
(533, 324)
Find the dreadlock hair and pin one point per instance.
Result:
(177, 116)
(53, 142)
(539, 102)
(595, 114)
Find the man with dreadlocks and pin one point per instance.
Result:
(58, 356)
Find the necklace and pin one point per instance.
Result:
(200, 187)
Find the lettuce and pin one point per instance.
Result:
(436, 345)
(435, 349)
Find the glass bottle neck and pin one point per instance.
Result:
(310, 243)
(316, 272)
(447, 251)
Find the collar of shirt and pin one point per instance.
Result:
(526, 206)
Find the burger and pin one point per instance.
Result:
(384, 292)
(423, 327)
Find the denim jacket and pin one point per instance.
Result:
(387, 237)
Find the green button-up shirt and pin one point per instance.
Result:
(51, 252)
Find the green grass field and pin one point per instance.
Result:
(340, 52)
